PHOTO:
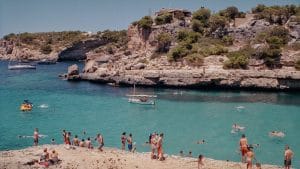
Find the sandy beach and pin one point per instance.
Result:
(110, 158)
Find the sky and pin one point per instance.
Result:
(17, 16)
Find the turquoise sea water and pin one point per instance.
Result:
(184, 119)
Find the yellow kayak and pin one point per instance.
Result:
(26, 107)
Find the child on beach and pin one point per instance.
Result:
(200, 161)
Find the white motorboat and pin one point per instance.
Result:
(21, 66)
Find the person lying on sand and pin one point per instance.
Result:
(276, 134)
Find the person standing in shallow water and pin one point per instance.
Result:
(129, 141)
(36, 137)
(100, 140)
(123, 140)
(64, 134)
(243, 147)
(249, 157)
(288, 155)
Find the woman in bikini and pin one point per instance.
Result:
(123, 140)
(68, 135)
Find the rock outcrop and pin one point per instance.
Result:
(73, 73)
(199, 78)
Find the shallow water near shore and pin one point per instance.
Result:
(185, 116)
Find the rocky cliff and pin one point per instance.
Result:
(140, 62)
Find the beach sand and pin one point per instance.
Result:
(110, 158)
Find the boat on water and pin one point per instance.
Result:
(141, 98)
(21, 66)
(26, 106)
(46, 62)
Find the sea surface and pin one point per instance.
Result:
(184, 116)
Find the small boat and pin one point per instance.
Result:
(46, 62)
(21, 66)
(26, 106)
(141, 98)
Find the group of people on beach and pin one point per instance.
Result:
(248, 155)
(156, 144)
(83, 143)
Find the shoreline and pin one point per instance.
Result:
(112, 158)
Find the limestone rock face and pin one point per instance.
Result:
(78, 51)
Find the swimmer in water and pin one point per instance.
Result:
(236, 127)
(276, 134)
(201, 142)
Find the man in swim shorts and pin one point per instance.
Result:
(129, 141)
(100, 140)
(36, 137)
(288, 155)
(243, 147)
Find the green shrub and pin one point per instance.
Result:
(228, 40)
(237, 60)
(46, 49)
(281, 33)
(164, 41)
(202, 15)
(217, 21)
(119, 37)
(275, 14)
(270, 56)
(274, 42)
(213, 50)
(188, 36)
(164, 19)
(9, 36)
(197, 26)
(145, 23)
(259, 8)
(177, 52)
(297, 65)
(26, 38)
(230, 12)
(194, 59)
